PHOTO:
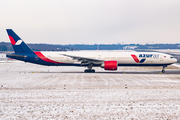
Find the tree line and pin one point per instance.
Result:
(6, 46)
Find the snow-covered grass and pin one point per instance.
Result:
(29, 91)
(90, 104)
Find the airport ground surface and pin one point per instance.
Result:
(31, 91)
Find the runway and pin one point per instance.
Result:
(29, 91)
(125, 72)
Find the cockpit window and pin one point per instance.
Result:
(171, 57)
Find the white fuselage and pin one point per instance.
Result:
(123, 58)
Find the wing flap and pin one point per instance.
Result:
(84, 60)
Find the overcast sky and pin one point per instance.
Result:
(91, 21)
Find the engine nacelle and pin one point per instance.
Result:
(110, 65)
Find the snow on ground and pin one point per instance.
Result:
(176, 65)
(29, 91)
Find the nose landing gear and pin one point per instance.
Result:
(163, 71)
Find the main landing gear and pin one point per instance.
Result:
(163, 71)
(89, 70)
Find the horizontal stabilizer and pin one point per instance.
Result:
(15, 55)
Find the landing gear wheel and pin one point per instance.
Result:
(86, 71)
(89, 71)
(163, 71)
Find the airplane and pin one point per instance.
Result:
(109, 60)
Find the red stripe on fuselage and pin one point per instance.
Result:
(135, 58)
(13, 42)
(41, 56)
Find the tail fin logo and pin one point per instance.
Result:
(18, 42)
(136, 59)
(13, 42)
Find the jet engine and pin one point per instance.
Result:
(110, 65)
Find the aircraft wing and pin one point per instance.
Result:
(85, 60)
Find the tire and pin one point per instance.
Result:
(89, 71)
(93, 71)
(163, 71)
(86, 71)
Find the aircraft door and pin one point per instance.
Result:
(161, 57)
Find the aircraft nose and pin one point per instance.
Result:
(175, 60)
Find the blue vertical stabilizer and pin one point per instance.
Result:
(18, 44)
